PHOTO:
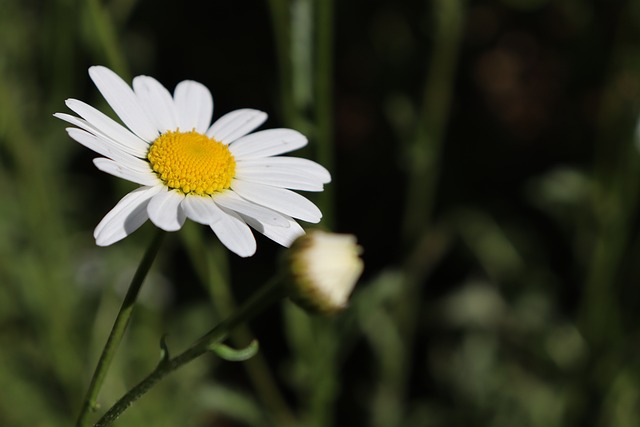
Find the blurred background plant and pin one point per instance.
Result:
(485, 153)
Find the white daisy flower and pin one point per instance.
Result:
(215, 174)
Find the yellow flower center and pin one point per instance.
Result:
(192, 162)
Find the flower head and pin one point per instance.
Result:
(215, 174)
(324, 268)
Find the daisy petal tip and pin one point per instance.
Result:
(103, 239)
(97, 69)
(102, 243)
(247, 254)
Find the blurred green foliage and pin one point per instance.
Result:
(485, 153)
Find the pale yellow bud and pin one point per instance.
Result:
(324, 268)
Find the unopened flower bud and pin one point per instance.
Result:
(324, 267)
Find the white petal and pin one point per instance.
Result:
(235, 124)
(106, 147)
(98, 123)
(278, 178)
(305, 167)
(158, 102)
(235, 234)
(281, 235)
(121, 171)
(194, 105)
(201, 209)
(231, 201)
(164, 210)
(266, 143)
(126, 216)
(278, 199)
(124, 102)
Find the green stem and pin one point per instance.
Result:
(419, 238)
(280, 21)
(256, 367)
(269, 294)
(424, 153)
(106, 35)
(118, 329)
(324, 101)
(212, 266)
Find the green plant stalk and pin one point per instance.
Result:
(616, 171)
(324, 388)
(600, 318)
(280, 21)
(306, 85)
(423, 155)
(424, 171)
(212, 267)
(118, 329)
(106, 36)
(257, 368)
(324, 101)
(272, 292)
(423, 174)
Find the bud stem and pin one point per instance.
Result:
(269, 294)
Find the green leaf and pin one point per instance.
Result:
(232, 355)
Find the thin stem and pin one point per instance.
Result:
(256, 367)
(615, 199)
(212, 265)
(424, 153)
(269, 294)
(423, 157)
(281, 29)
(324, 100)
(106, 34)
(118, 329)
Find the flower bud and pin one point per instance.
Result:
(323, 269)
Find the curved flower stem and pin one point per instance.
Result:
(118, 329)
(263, 298)
(212, 265)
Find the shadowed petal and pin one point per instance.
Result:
(106, 148)
(281, 235)
(201, 209)
(278, 199)
(125, 217)
(97, 123)
(142, 177)
(231, 201)
(235, 234)
(164, 210)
